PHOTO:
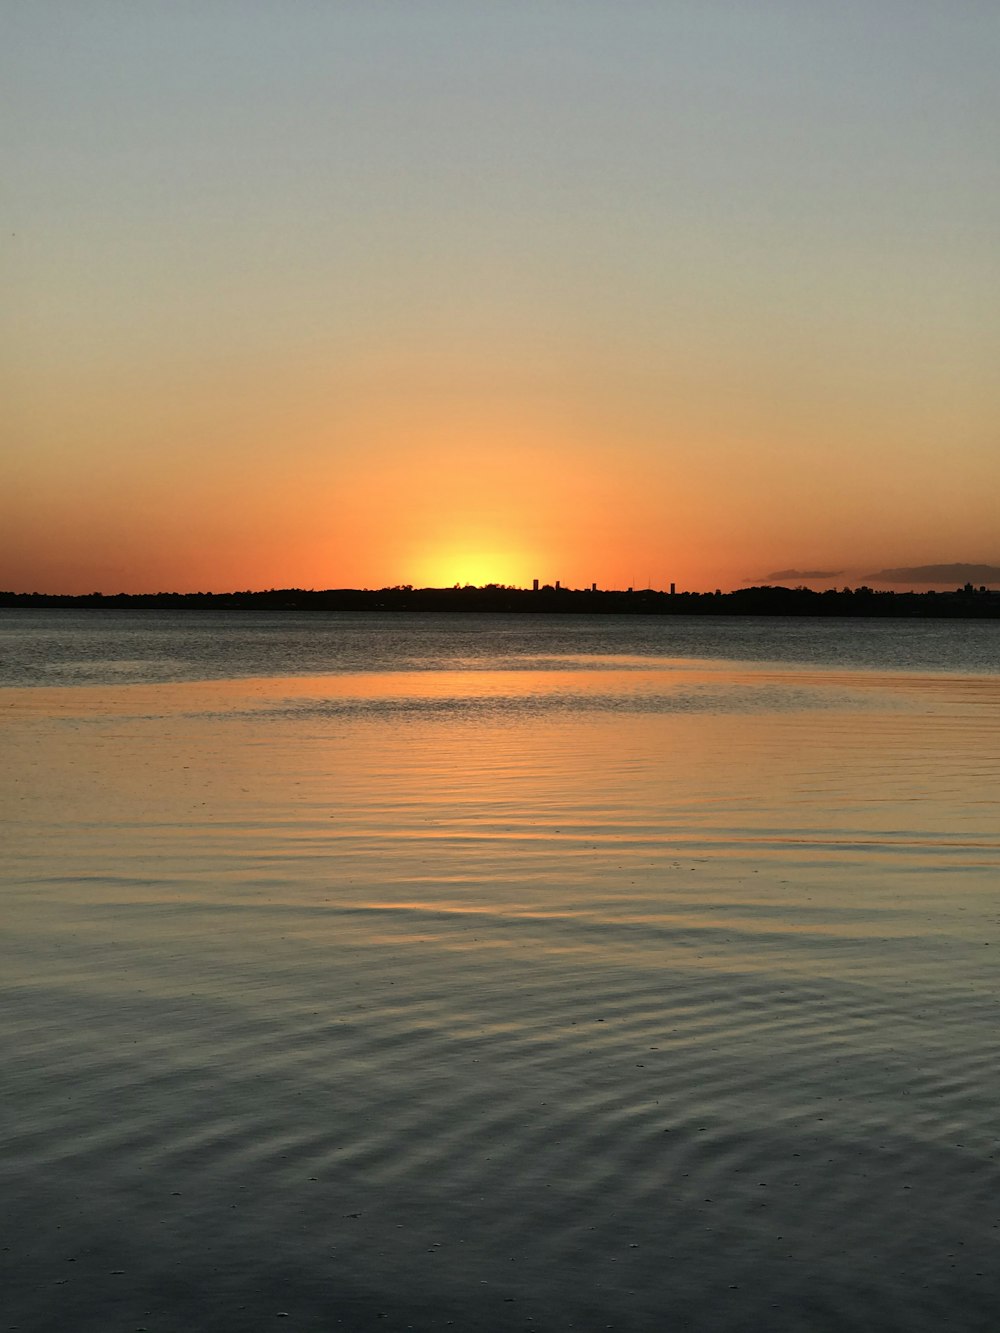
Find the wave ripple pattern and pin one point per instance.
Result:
(496, 1019)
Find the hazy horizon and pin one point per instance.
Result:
(930, 578)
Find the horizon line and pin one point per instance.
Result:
(539, 588)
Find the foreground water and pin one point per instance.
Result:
(568, 977)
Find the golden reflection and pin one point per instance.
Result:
(271, 793)
(733, 687)
(261, 693)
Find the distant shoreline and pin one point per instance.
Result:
(964, 603)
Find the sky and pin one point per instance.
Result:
(353, 293)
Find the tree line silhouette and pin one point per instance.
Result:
(765, 600)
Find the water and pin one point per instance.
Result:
(114, 647)
(494, 973)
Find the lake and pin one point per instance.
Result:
(499, 973)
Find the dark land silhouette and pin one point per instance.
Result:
(768, 600)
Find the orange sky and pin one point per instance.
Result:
(328, 298)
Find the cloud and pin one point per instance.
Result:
(780, 575)
(951, 574)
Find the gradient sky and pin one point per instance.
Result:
(376, 291)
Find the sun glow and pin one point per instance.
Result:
(478, 566)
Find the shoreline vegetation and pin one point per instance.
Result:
(768, 600)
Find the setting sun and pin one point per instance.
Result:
(469, 566)
(461, 555)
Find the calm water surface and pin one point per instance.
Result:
(498, 973)
(65, 647)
